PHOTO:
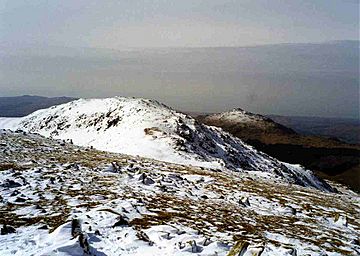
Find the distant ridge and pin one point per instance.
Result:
(19, 106)
(328, 157)
(344, 129)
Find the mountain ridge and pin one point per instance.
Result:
(17, 106)
(148, 128)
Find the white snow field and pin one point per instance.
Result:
(150, 129)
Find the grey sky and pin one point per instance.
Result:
(81, 48)
(161, 23)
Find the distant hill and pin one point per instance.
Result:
(23, 105)
(247, 125)
(329, 158)
(345, 129)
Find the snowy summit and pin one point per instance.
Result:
(147, 128)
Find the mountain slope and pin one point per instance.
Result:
(328, 157)
(26, 104)
(60, 199)
(150, 129)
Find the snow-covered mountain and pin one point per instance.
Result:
(150, 129)
(238, 115)
(246, 124)
(60, 199)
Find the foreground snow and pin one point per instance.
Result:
(169, 209)
(112, 242)
(150, 129)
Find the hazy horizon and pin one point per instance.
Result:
(266, 56)
(285, 79)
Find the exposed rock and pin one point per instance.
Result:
(20, 200)
(239, 248)
(142, 177)
(52, 180)
(121, 221)
(195, 248)
(6, 229)
(76, 227)
(293, 252)
(146, 180)
(340, 220)
(144, 237)
(175, 176)
(207, 241)
(149, 181)
(115, 167)
(15, 193)
(167, 236)
(292, 210)
(11, 184)
(83, 240)
(181, 245)
(244, 202)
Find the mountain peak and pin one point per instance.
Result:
(148, 128)
(237, 110)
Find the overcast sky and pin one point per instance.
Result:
(161, 23)
(70, 42)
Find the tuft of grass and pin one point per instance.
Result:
(11, 165)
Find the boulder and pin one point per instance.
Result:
(11, 184)
(76, 227)
(121, 221)
(83, 240)
(239, 249)
(144, 237)
(6, 229)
